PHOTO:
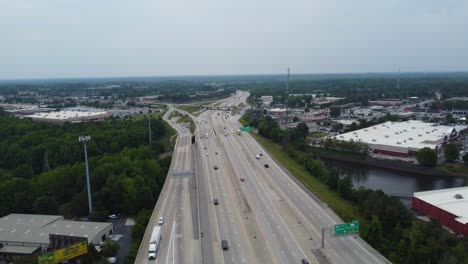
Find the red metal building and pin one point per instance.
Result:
(448, 206)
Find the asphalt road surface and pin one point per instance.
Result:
(267, 218)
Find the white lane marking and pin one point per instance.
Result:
(170, 241)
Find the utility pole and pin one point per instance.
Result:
(149, 129)
(85, 139)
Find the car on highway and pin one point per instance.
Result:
(215, 201)
(224, 245)
(216, 153)
(215, 167)
(161, 220)
(304, 261)
(257, 156)
(266, 166)
(242, 179)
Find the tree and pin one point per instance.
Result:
(449, 118)
(374, 233)
(465, 157)
(335, 112)
(45, 205)
(451, 152)
(426, 157)
(110, 248)
(23, 171)
(345, 187)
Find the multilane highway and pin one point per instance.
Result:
(267, 218)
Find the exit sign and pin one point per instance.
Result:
(346, 229)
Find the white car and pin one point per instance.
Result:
(161, 220)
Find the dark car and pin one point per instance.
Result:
(305, 261)
(266, 166)
(215, 167)
(224, 245)
(215, 201)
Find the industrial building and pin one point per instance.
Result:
(70, 116)
(404, 139)
(448, 206)
(24, 234)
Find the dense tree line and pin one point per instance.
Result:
(356, 88)
(393, 230)
(42, 166)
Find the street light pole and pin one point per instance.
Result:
(85, 139)
(149, 129)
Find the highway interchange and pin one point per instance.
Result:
(268, 218)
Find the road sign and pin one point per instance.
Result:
(346, 229)
(245, 129)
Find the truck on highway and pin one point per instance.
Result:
(154, 242)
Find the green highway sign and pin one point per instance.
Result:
(245, 129)
(346, 229)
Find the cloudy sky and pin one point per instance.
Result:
(100, 38)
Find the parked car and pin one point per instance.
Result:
(114, 216)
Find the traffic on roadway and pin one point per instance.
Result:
(226, 200)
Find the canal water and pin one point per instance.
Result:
(399, 184)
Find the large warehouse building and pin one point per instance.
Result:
(69, 116)
(24, 234)
(404, 138)
(448, 206)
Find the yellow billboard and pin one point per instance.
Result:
(72, 251)
(62, 254)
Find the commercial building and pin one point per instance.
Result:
(448, 206)
(24, 234)
(404, 138)
(266, 100)
(70, 116)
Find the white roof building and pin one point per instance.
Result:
(70, 115)
(28, 233)
(448, 206)
(402, 138)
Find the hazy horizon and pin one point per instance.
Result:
(52, 39)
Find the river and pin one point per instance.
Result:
(400, 184)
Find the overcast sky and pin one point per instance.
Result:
(99, 38)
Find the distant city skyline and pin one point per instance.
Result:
(74, 39)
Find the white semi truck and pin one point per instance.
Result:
(154, 242)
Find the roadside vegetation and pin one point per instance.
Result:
(187, 119)
(193, 109)
(386, 224)
(42, 167)
(173, 114)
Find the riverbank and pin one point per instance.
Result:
(394, 165)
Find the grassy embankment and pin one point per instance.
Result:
(318, 134)
(187, 119)
(173, 114)
(193, 109)
(345, 209)
(455, 168)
